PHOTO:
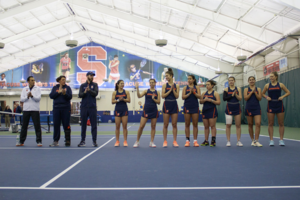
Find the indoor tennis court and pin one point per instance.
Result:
(231, 67)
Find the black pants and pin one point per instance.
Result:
(35, 115)
(61, 115)
(85, 113)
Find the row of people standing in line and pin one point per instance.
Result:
(62, 94)
(209, 99)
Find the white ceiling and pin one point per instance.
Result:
(202, 34)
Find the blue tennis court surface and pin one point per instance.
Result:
(106, 172)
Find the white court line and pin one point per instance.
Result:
(76, 163)
(131, 126)
(279, 138)
(155, 188)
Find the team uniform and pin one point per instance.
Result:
(88, 109)
(65, 64)
(121, 108)
(150, 108)
(252, 105)
(233, 105)
(209, 109)
(275, 106)
(114, 71)
(170, 105)
(191, 104)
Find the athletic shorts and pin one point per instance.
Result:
(275, 107)
(121, 113)
(150, 113)
(233, 109)
(252, 112)
(170, 107)
(209, 113)
(188, 110)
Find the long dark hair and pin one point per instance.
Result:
(193, 77)
(231, 77)
(170, 72)
(117, 84)
(213, 83)
(275, 74)
(251, 77)
(59, 78)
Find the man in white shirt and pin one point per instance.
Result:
(31, 96)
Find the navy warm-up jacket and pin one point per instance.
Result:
(88, 98)
(60, 100)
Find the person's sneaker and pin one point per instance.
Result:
(228, 144)
(175, 144)
(258, 144)
(39, 144)
(271, 143)
(19, 144)
(187, 143)
(281, 143)
(253, 143)
(165, 144)
(54, 144)
(67, 143)
(125, 144)
(205, 143)
(239, 144)
(152, 145)
(136, 144)
(196, 144)
(117, 144)
(95, 144)
(81, 144)
(213, 144)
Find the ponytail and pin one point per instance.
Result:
(170, 72)
(213, 83)
(194, 79)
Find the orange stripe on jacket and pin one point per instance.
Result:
(165, 107)
(214, 113)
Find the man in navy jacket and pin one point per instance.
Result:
(88, 92)
(61, 95)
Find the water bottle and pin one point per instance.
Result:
(18, 138)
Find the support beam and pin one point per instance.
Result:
(177, 63)
(149, 41)
(37, 30)
(220, 6)
(41, 47)
(293, 3)
(226, 22)
(143, 22)
(25, 8)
